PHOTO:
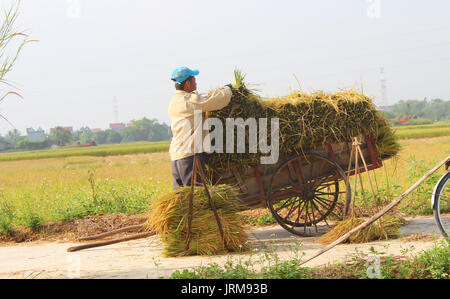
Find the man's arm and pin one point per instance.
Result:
(217, 100)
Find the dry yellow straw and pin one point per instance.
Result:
(168, 218)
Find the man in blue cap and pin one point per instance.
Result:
(186, 104)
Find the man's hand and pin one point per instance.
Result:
(230, 86)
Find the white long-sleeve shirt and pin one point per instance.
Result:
(181, 114)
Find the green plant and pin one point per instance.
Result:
(433, 263)
(11, 41)
(6, 217)
(260, 220)
(99, 151)
(419, 201)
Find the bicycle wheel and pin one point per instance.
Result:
(441, 204)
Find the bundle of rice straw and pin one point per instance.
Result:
(389, 229)
(168, 217)
(307, 120)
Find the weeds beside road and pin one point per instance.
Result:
(34, 192)
(430, 264)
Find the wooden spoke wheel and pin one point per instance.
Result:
(304, 190)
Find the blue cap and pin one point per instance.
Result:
(180, 74)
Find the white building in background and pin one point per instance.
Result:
(35, 135)
(5, 145)
(117, 126)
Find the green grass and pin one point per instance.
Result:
(65, 203)
(34, 192)
(260, 220)
(423, 131)
(102, 151)
(431, 264)
(404, 132)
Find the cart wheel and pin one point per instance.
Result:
(304, 190)
(441, 204)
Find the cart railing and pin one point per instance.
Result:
(252, 181)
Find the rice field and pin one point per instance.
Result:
(36, 191)
(99, 151)
(33, 192)
(423, 131)
(416, 157)
(402, 132)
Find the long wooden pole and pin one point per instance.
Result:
(379, 214)
(104, 243)
(112, 232)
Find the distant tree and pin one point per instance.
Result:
(438, 109)
(86, 138)
(83, 130)
(101, 137)
(130, 134)
(61, 136)
(113, 136)
(27, 145)
(159, 132)
(435, 109)
(13, 136)
(145, 130)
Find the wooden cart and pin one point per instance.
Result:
(303, 190)
(300, 191)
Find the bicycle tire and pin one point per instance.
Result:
(442, 184)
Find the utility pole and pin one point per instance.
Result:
(384, 100)
(116, 110)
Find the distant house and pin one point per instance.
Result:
(384, 108)
(35, 135)
(70, 129)
(117, 126)
(96, 130)
(5, 145)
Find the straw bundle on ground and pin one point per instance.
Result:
(307, 120)
(389, 229)
(168, 217)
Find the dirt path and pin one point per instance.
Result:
(143, 258)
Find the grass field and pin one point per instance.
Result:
(33, 192)
(430, 264)
(423, 131)
(36, 191)
(416, 157)
(403, 132)
(98, 151)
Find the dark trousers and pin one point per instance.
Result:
(182, 171)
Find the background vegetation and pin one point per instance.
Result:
(35, 189)
(421, 112)
(139, 130)
(430, 264)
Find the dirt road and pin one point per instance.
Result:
(143, 258)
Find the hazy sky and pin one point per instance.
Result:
(92, 50)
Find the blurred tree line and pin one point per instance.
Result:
(140, 130)
(435, 109)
